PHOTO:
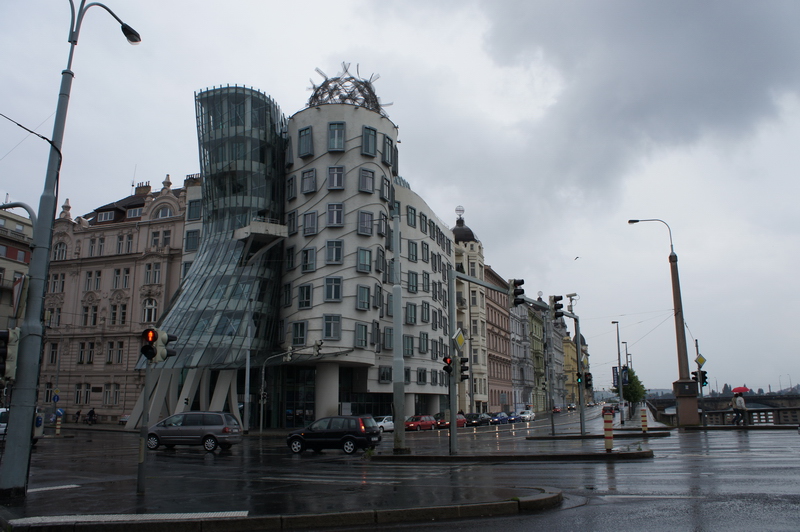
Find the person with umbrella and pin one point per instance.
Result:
(739, 406)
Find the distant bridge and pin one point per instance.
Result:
(762, 409)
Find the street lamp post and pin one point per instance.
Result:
(684, 388)
(16, 459)
(619, 378)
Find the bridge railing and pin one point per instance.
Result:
(757, 416)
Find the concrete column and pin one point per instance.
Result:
(327, 390)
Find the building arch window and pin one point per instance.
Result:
(60, 251)
(150, 310)
(164, 212)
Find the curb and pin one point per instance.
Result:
(546, 499)
(550, 457)
(624, 435)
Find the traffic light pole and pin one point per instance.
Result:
(579, 350)
(700, 383)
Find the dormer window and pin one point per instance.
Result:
(107, 216)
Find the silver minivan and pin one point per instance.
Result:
(209, 429)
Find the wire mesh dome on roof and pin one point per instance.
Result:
(346, 88)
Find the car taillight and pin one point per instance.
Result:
(361, 422)
(226, 430)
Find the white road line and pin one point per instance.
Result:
(55, 519)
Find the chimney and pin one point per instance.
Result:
(142, 188)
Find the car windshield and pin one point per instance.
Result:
(369, 422)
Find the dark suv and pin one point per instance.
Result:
(347, 433)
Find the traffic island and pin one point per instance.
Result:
(541, 457)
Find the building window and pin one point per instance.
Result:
(388, 151)
(333, 289)
(426, 312)
(308, 181)
(385, 374)
(335, 214)
(369, 141)
(408, 345)
(412, 251)
(365, 219)
(380, 260)
(192, 240)
(336, 136)
(423, 342)
(53, 353)
(164, 212)
(412, 282)
(149, 310)
(310, 223)
(386, 187)
(299, 333)
(383, 223)
(134, 213)
(422, 376)
(129, 244)
(152, 273)
(308, 260)
(107, 216)
(304, 293)
(362, 298)
(366, 181)
(331, 327)
(287, 294)
(291, 222)
(111, 394)
(60, 251)
(194, 210)
(411, 313)
(364, 263)
(335, 177)
(305, 144)
(165, 242)
(388, 338)
(154, 238)
(334, 251)
(291, 187)
(360, 335)
(411, 216)
(290, 258)
(426, 251)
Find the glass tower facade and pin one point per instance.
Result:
(227, 304)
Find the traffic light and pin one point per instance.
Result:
(588, 380)
(704, 378)
(162, 352)
(579, 377)
(695, 376)
(515, 293)
(464, 369)
(148, 350)
(8, 354)
(555, 307)
(448, 364)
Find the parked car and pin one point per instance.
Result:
(348, 433)
(476, 420)
(385, 423)
(498, 418)
(444, 422)
(420, 423)
(527, 415)
(209, 429)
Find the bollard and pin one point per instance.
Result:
(644, 419)
(608, 430)
(58, 425)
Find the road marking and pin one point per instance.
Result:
(651, 497)
(51, 488)
(56, 519)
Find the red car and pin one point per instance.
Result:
(443, 422)
(556, 410)
(420, 423)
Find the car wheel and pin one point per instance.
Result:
(349, 446)
(419, 428)
(297, 446)
(433, 427)
(153, 442)
(381, 427)
(210, 443)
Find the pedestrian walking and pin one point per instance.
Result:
(77, 416)
(739, 410)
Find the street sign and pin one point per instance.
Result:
(57, 391)
(458, 338)
(60, 412)
(700, 360)
(56, 398)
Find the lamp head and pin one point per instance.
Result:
(131, 34)
(633, 222)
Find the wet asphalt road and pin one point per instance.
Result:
(697, 480)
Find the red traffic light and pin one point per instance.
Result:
(150, 335)
(447, 360)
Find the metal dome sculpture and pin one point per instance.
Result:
(346, 88)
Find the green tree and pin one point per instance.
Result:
(634, 391)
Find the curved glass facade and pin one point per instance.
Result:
(227, 305)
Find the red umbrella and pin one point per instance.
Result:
(741, 389)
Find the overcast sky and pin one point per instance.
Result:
(551, 122)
